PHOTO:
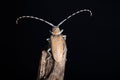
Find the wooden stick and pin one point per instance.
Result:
(50, 69)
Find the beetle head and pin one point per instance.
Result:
(56, 31)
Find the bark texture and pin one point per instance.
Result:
(49, 69)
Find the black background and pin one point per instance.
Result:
(92, 42)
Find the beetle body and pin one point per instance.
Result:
(58, 44)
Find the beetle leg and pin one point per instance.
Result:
(65, 51)
(64, 36)
(61, 31)
(47, 39)
(48, 51)
(51, 32)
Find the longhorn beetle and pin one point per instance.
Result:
(57, 40)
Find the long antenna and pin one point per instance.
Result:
(34, 18)
(40, 19)
(74, 15)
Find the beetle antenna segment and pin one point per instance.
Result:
(40, 19)
(74, 15)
